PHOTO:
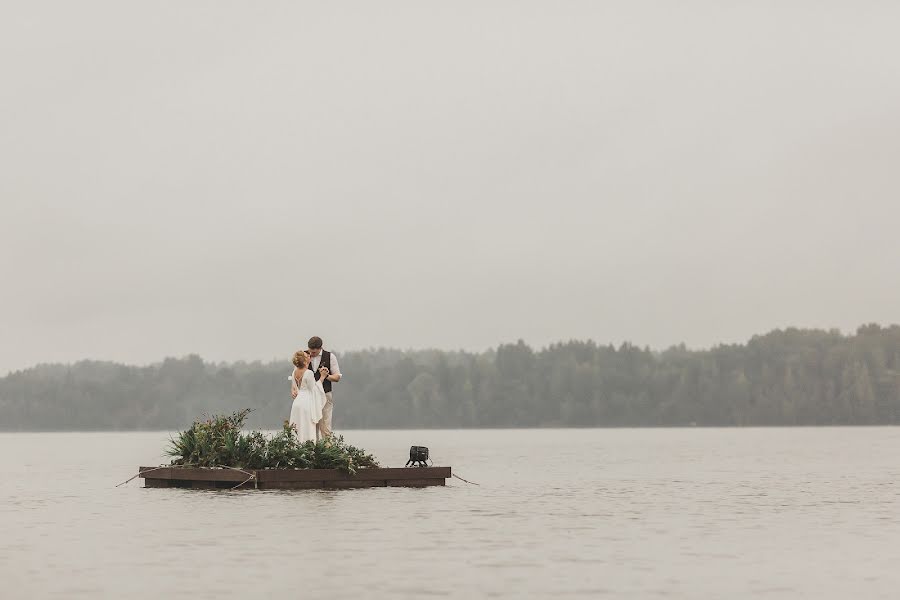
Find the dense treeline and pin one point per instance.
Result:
(791, 377)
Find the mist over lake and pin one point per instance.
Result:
(791, 377)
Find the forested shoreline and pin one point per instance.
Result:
(785, 377)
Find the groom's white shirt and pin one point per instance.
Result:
(317, 360)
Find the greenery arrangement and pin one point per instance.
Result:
(218, 442)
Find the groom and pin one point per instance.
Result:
(324, 366)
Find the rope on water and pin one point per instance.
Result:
(466, 480)
(251, 476)
(144, 471)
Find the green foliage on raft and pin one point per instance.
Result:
(218, 442)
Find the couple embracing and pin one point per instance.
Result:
(315, 370)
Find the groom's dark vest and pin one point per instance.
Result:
(325, 362)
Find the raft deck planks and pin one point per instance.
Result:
(202, 478)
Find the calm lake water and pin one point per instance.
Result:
(678, 513)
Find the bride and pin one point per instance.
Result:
(306, 412)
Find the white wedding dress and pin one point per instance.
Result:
(306, 412)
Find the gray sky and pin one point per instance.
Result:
(229, 178)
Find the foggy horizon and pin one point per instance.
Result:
(491, 348)
(469, 175)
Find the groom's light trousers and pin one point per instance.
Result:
(324, 426)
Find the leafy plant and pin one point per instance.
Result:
(217, 441)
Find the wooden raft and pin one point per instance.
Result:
(291, 479)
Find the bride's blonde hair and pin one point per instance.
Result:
(301, 359)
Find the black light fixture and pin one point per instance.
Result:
(418, 456)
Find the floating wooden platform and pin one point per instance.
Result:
(291, 479)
